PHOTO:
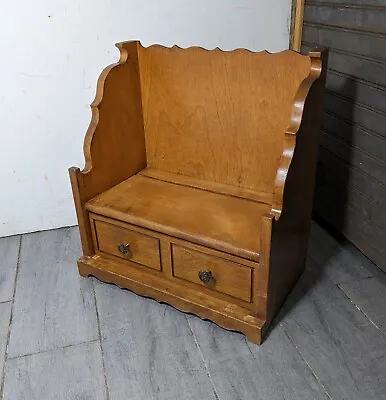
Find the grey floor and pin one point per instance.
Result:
(67, 337)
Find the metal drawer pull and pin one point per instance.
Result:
(124, 249)
(205, 276)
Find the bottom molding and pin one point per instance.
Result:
(186, 299)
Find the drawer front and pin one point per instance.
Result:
(127, 244)
(212, 272)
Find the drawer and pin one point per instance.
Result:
(127, 244)
(212, 272)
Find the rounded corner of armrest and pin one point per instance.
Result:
(276, 212)
(317, 69)
(321, 54)
(73, 171)
(318, 66)
(75, 176)
(78, 173)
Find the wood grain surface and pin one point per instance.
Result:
(142, 249)
(49, 294)
(229, 190)
(324, 344)
(9, 252)
(215, 149)
(114, 145)
(149, 349)
(339, 343)
(221, 222)
(215, 307)
(227, 277)
(216, 115)
(70, 373)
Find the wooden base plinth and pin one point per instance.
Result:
(223, 313)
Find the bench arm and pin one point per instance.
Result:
(285, 230)
(114, 145)
(299, 157)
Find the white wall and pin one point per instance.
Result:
(52, 52)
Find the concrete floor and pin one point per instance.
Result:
(67, 337)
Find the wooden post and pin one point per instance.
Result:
(297, 24)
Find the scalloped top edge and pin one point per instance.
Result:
(314, 53)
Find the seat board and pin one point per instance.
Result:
(226, 223)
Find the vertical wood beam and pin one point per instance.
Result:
(297, 24)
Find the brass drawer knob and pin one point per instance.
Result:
(124, 249)
(205, 276)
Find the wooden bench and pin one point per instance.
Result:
(198, 185)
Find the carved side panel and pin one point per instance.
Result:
(114, 145)
(315, 81)
(295, 187)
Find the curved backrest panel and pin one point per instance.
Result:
(218, 115)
